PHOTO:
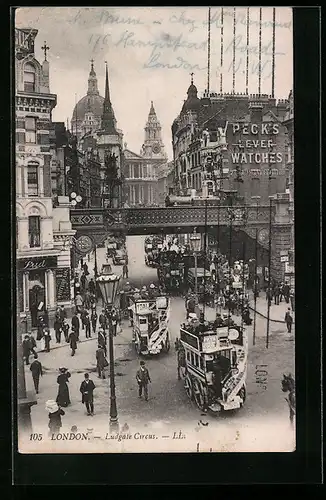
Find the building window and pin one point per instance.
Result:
(136, 171)
(29, 78)
(32, 180)
(255, 187)
(30, 126)
(34, 231)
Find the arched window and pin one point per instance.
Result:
(34, 231)
(29, 78)
(32, 179)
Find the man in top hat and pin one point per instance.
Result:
(87, 388)
(143, 378)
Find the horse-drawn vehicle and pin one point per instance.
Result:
(150, 318)
(213, 366)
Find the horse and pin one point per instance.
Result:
(288, 385)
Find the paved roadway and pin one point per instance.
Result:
(168, 406)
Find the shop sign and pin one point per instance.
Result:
(36, 263)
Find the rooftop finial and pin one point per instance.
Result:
(92, 64)
(152, 110)
(45, 48)
(192, 78)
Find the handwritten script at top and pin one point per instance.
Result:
(180, 17)
(162, 50)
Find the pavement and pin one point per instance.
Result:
(261, 425)
(276, 312)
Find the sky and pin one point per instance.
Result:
(151, 52)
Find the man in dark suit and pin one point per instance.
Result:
(75, 323)
(86, 388)
(101, 361)
(63, 313)
(103, 321)
(87, 323)
(37, 371)
(143, 378)
(101, 340)
(26, 349)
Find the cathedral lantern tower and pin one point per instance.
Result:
(86, 117)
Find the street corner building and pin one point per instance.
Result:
(43, 228)
(238, 147)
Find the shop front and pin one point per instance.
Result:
(36, 288)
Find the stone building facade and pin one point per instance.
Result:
(289, 124)
(254, 160)
(106, 140)
(140, 180)
(165, 174)
(43, 234)
(234, 146)
(141, 171)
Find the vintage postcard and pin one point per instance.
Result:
(155, 278)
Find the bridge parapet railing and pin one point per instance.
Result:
(172, 216)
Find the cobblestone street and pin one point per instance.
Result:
(168, 404)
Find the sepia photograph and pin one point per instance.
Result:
(154, 184)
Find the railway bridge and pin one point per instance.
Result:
(269, 224)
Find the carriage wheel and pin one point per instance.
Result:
(167, 345)
(199, 394)
(243, 394)
(188, 387)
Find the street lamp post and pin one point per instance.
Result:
(195, 245)
(108, 285)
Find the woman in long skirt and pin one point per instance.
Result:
(63, 398)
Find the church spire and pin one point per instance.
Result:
(92, 81)
(152, 110)
(108, 118)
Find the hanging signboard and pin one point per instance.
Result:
(285, 258)
(63, 287)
